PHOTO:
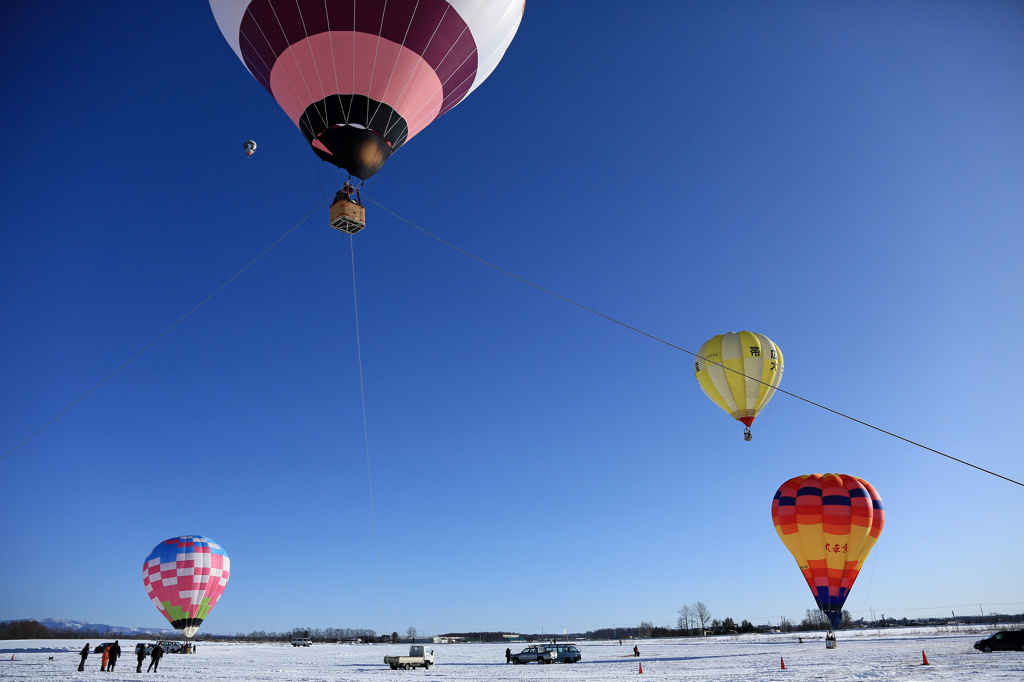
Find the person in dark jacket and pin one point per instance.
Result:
(508, 656)
(115, 651)
(158, 653)
(140, 653)
(85, 655)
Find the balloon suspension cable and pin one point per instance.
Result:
(165, 332)
(366, 432)
(684, 350)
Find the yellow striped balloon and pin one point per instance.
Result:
(739, 371)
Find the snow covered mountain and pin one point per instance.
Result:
(65, 624)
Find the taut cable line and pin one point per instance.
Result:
(163, 334)
(684, 350)
(366, 434)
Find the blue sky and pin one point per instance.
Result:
(846, 179)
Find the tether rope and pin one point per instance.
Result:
(366, 435)
(684, 350)
(164, 333)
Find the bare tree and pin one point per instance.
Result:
(701, 615)
(685, 618)
(645, 629)
(815, 620)
(411, 632)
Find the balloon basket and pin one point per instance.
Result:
(347, 216)
(830, 640)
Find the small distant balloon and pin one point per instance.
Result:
(249, 147)
(184, 577)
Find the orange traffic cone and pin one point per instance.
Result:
(923, 656)
(641, 668)
(783, 662)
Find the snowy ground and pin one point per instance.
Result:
(864, 655)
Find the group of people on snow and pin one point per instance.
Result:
(113, 652)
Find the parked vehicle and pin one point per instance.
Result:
(301, 641)
(1007, 640)
(419, 657)
(100, 648)
(534, 653)
(171, 647)
(148, 647)
(565, 653)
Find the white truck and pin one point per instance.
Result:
(419, 657)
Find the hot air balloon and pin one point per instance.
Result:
(184, 577)
(829, 522)
(362, 77)
(249, 147)
(739, 371)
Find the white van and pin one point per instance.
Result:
(170, 647)
(301, 641)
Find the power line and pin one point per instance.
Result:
(162, 334)
(684, 350)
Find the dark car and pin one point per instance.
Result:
(565, 653)
(148, 648)
(100, 648)
(1007, 640)
(534, 653)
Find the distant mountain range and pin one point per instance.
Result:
(65, 624)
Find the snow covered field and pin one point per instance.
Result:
(862, 655)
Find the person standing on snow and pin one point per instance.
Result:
(115, 651)
(140, 653)
(157, 654)
(508, 656)
(85, 655)
(105, 659)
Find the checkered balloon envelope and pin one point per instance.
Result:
(184, 577)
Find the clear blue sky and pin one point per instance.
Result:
(845, 178)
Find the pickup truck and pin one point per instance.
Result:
(419, 657)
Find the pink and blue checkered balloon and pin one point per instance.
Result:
(184, 577)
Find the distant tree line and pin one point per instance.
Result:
(694, 620)
(31, 629)
(317, 635)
